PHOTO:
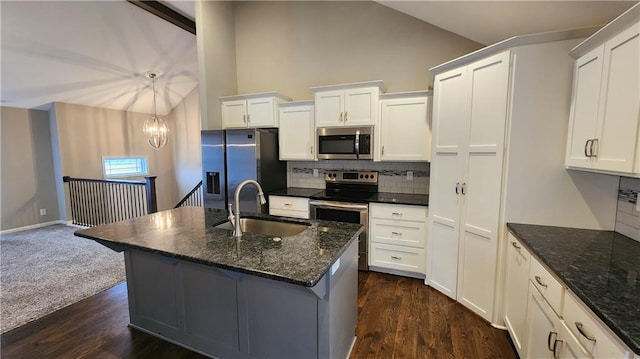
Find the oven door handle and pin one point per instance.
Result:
(338, 205)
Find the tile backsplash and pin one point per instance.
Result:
(628, 214)
(392, 176)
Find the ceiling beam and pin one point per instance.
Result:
(166, 13)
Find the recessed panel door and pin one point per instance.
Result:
(449, 120)
(482, 183)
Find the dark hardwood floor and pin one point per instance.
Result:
(398, 317)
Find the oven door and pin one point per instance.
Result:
(346, 212)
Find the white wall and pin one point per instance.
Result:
(27, 176)
(291, 46)
(216, 58)
(185, 139)
(84, 135)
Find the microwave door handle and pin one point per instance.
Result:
(357, 144)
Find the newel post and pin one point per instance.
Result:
(150, 186)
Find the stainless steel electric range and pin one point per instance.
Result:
(346, 199)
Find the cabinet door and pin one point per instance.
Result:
(261, 112)
(329, 108)
(449, 118)
(619, 103)
(404, 130)
(584, 107)
(234, 114)
(516, 292)
(296, 134)
(542, 326)
(360, 107)
(482, 183)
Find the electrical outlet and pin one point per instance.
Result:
(409, 175)
(43, 212)
(315, 172)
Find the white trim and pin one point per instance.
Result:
(34, 226)
(510, 43)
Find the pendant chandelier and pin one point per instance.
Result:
(155, 128)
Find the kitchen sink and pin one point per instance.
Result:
(267, 227)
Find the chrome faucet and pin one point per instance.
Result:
(235, 218)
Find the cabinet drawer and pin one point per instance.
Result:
(403, 233)
(398, 212)
(603, 343)
(550, 288)
(289, 203)
(297, 207)
(569, 345)
(396, 257)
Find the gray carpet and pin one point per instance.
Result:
(45, 269)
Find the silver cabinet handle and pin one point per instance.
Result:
(555, 348)
(345, 116)
(457, 187)
(594, 153)
(395, 257)
(311, 150)
(515, 245)
(341, 113)
(249, 117)
(580, 328)
(586, 145)
(539, 280)
(396, 214)
(382, 150)
(288, 204)
(244, 118)
(397, 233)
(552, 334)
(464, 185)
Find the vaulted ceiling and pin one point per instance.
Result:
(99, 53)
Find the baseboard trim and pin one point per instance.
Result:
(33, 226)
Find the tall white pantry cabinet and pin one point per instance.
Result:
(500, 119)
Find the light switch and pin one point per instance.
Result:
(315, 172)
(409, 175)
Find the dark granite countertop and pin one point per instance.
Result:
(379, 197)
(188, 233)
(601, 267)
(296, 192)
(400, 198)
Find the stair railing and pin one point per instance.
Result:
(97, 201)
(193, 198)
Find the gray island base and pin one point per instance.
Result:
(241, 303)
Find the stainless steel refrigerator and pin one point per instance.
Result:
(232, 156)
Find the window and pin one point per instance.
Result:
(124, 166)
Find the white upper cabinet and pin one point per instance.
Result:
(297, 131)
(404, 131)
(254, 110)
(603, 129)
(347, 105)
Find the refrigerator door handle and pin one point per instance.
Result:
(213, 182)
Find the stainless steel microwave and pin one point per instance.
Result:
(345, 143)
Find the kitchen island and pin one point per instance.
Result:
(250, 297)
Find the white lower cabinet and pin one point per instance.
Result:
(588, 330)
(398, 236)
(542, 326)
(568, 346)
(545, 320)
(297, 207)
(516, 290)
